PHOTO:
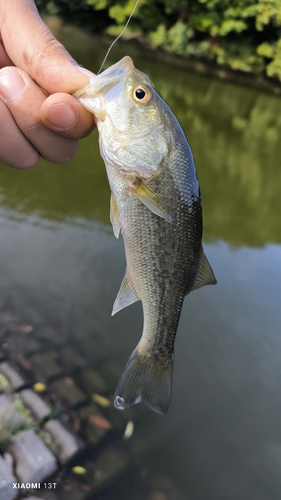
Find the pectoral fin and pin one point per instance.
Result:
(205, 275)
(143, 193)
(126, 296)
(114, 216)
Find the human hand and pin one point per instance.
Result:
(38, 115)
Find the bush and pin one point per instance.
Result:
(241, 34)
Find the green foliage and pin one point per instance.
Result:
(90, 13)
(98, 4)
(268, 12)
(3, 383)
(274, 67)
(266, 50)
(10, 425)
(120, 13)
(241, 57)
(241, 34)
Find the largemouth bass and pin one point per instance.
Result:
(156, 204)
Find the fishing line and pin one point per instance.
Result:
(119, 36)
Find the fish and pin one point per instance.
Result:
(156, 206)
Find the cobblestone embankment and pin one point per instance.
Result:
(60, 436)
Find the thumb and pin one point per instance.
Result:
(31, 46)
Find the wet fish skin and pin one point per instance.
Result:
(156, 204)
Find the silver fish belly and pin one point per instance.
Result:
(156, 204)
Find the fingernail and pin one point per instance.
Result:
(86, 72)
(62, 116)
(11, 84)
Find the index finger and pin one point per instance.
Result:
(32, 47)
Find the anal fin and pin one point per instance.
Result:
(204, 275)
(143, 193)
(126, 296)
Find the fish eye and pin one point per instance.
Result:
(141, 94)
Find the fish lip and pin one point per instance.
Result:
(118, 70)
(107, 79)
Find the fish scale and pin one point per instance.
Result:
(156, 205)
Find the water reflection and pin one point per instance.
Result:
(234, 133)
(221, 437)
(78, 190)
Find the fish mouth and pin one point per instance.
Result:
(118, 70)
(107, 79)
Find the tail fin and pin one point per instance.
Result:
(145, 379)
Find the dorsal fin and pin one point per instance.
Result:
(204, 275)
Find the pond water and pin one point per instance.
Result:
(221, 439)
